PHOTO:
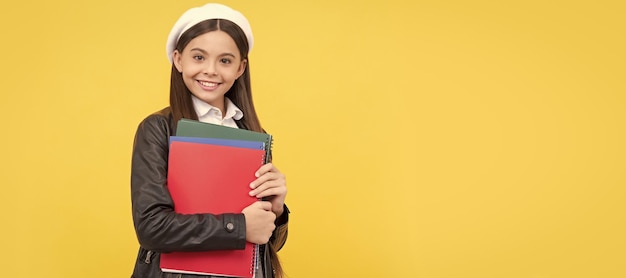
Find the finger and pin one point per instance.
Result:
(280, 184)
(265, 178)
(264, 169)
(267, 185)
(275, 191)
(265, 205)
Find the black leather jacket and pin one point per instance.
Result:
(160, 229)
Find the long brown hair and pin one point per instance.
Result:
(240, 93)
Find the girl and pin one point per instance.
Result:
(210, 81)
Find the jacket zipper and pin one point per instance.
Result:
(148, 257)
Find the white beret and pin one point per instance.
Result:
(196, 15)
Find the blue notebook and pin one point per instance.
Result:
(221, 142)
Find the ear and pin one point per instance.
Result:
(242, 67)
(176, 57)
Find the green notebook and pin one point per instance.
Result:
(192, 128)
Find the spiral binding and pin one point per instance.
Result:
(268, 149)
(255, 260)
(255, 256)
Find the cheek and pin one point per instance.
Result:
(237, 71)
(190, 71)
(188, 78)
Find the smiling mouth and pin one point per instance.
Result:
(208, 84)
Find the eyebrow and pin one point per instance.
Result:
(206, 53)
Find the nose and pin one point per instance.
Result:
(210, 69)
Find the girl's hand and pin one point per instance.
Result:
(271, 186)
(259, 222)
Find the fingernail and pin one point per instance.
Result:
(252, 185)
(251, 193)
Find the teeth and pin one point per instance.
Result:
(208, 84)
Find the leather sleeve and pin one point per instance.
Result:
(159, 228)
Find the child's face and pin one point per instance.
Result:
(210, 64)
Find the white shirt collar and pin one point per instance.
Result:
(204, 109)
(210, 114)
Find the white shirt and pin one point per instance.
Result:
(211, 114)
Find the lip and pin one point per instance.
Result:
(213, 85)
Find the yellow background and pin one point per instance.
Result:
(419, 138)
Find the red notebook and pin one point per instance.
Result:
(205, 178)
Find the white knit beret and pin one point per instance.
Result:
(196, 15)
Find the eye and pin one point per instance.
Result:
(225, 61)
(198, 57)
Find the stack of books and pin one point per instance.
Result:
(210, 169)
